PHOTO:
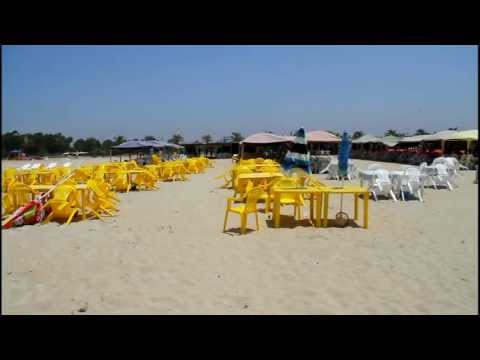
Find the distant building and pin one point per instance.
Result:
(212, 150)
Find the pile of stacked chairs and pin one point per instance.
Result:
(21, 185)
(101, 180)
(247, 166)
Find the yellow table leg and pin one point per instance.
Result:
(318, 220)
(84, 216)
(325, 209)
(311, 206)
(355, 196)
(365, 210)
(276, 209)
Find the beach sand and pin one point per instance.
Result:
(165, 253)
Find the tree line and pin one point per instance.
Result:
(43, 144)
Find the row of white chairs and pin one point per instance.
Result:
(441, 173)
(37, 165)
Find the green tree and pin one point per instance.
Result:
(176, 139)
(357, 134)
(237, 137)
(117, 140)
(149, 137)
(391, 132)
(107, 144)
(207, 138)
(421, 132)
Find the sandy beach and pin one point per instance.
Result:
(165, 253)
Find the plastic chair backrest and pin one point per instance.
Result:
(442, 169)
(51, 165)
(63, 192)
(413, 174)
(26, 166)
(252, 197)
(374, 167)
(382, 175)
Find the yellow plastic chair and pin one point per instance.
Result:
(99, 201)
(145, 180)
(227, 177)
(63, 205)
(259, 161)
(296, 200)
(243, 210)
(8, 178)
(120, 182)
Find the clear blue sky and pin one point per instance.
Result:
(104, 91)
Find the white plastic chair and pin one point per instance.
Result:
(374, 167)
(25, 167)
(35, 166)
(443, 177)
(412, 183)
(382, 185)
(52, 165)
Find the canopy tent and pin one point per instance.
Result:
(146, 144)
(413, 139)
(441, 135)
(390, 140)
(321, 136)
(464, 135)
(367, 138)
(265, 138)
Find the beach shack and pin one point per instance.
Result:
(212, 150)
(266, 145)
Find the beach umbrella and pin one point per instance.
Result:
(343, 155)
(298, 156)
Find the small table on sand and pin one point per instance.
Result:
(315, 195)
(356, 191)
(259, 176)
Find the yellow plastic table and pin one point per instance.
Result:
(355, 191)
(316, 196)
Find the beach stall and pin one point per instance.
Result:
(144, 147)
(435, 144)
(461, 141)
(265, 145)
(365, 144)
(322, 142)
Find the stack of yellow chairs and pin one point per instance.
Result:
(63, 205)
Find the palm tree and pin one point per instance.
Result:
(391, 132)
(357, 134)
(117, 140)
(237, 137)
(176, 139)
(207, 138)
(421, 132)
